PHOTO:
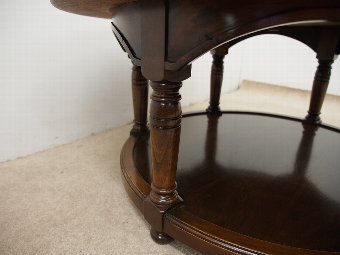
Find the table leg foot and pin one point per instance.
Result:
(159, 237)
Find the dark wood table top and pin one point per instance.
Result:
(105, 8)
(95, 8)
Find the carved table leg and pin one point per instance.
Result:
(326, 56)
(216, 83)
(165, 122)
(319, 90)
(140, 102)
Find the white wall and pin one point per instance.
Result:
(63, 77)
(283, 61)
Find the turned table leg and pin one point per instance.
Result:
(140, 102)
(326, 55)
(320, 85)
(165, 123)
(216, 80)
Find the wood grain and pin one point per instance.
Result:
(253, 189)
(94, 8)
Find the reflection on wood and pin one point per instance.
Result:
(284, 208)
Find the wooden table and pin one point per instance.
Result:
(247, 183)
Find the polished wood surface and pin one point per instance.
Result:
(276, 182)
(165, 125)
(94, 8)
(218, 21)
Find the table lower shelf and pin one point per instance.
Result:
(251, 183)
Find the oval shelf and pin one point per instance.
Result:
(251, 183)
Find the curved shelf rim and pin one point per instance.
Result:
(207, 237)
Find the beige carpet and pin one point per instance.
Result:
(70, 199)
